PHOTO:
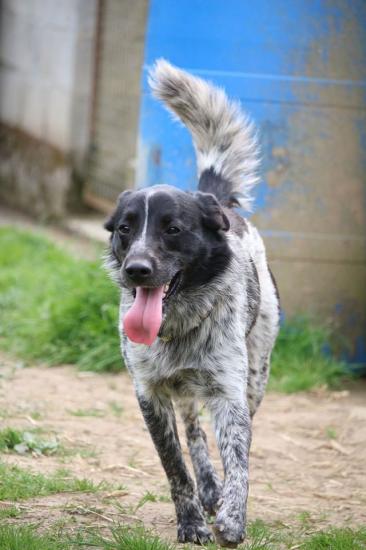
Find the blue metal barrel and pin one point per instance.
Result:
(299, 69)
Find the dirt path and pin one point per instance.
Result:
(308, 452)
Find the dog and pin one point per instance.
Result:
(199, 306)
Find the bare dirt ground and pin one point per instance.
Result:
(308, 452)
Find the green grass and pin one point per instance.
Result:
(58, 309)
(119, 538)
(9, 512)
(299, 362)
(337, 539)
(18, 483)
(151, 497)
(26, 538)
(136, 538)
(331, 432)
(54, 307)
(261, 537)
(99, 413)
(270, 537)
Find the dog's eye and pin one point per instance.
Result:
(172, 230)
(125, 229)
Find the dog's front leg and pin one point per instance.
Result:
(208, 482)
(159, 416)
(233, 433)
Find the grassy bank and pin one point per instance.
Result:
(54, 307)
(59, 309)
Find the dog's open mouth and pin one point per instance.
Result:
(143, 320)
(171, 288)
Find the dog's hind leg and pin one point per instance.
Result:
(208, 482)
(159, 416)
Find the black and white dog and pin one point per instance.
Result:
(199, 306)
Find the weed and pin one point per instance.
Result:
(36, 415)
(331, 432)
(132, 463)
(147, 497)
(122, 509)
(305, 519)
(24, 442)
(164, 498)
(116, 408)
(99, 413)
(87, 453)
(9, 438)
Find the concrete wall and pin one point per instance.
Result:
(46, 85)
(44, 46)
(120, 58)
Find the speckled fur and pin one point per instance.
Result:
(214, 346)
(223, 136)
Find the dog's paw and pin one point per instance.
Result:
(194, 532)
(210, 495)
(229, 530)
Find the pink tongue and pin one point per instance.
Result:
(143, 320)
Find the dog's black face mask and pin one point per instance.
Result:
(164, 241)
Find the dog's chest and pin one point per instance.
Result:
(203, 337)
(192, 363)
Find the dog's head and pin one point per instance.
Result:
(163, 242)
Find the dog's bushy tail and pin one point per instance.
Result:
(224, 138)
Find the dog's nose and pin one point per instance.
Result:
(139, 269)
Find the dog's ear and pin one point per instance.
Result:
(213, 215)
(109, 225)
